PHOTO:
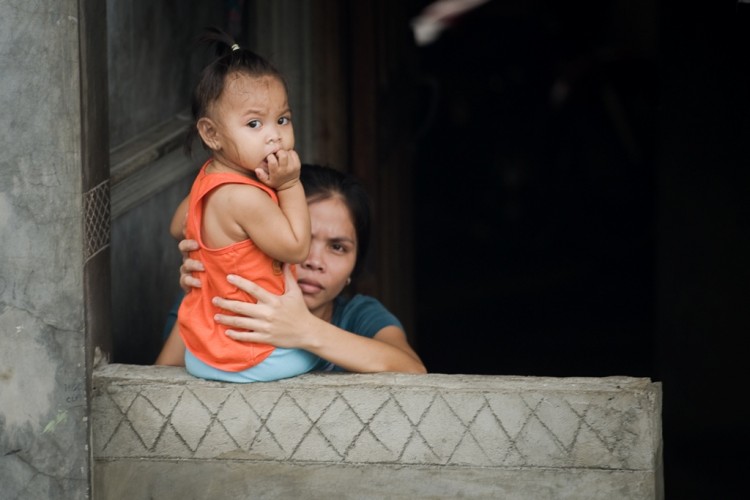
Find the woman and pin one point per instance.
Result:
(354, 334)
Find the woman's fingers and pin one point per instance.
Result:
(239, 322)
(246, 336)
(187, 246)
(277, 320)
(247, 309)
(248, 286)
(290, 281)
(243, 328)
(187, 280)
(192, 266)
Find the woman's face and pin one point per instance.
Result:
(333, 254)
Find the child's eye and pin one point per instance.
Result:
(285, 120)
(253, 123)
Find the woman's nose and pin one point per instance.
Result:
(313, 261)
(312, 264)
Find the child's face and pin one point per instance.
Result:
(253, 120)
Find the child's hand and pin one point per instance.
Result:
(283, 170)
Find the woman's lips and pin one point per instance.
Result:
(309, 286)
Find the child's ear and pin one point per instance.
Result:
(209, 133)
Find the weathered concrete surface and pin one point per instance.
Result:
(279, 480)
(43, 411)
(375, 436)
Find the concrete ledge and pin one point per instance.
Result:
(433, 428)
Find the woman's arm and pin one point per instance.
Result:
(285, 321)
(387, 351)
(173, 352)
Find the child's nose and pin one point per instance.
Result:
(274, 134)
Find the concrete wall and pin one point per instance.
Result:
(375, 436)
(43, 197)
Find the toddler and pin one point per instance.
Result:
(246, 209)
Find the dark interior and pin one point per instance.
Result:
(580, 199)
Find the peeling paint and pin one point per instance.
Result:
(28, 373)
(61, 417)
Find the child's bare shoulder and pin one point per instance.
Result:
(241, 196)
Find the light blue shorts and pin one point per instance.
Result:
(281, 363)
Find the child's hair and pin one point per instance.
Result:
(230, 59)
(322, 183)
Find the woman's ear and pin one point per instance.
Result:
(209, 133)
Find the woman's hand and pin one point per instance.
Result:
(278, 320)
(285, 321)
(189, 266)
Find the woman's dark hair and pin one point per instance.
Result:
(322, 182)
(230, 59)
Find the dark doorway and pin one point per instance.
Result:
(535, 193)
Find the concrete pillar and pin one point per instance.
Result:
(54, 228)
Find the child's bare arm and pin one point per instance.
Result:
(239, 211)
(293, 204)
(236, 211)
(284, 169)
(177, 226)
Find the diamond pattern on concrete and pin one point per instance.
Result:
(354, 424)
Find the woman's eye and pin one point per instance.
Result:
(285, 120)
(253, 123)
(338, 248)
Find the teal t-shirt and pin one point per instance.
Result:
(360, 314)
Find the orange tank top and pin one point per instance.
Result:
(202, 335)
